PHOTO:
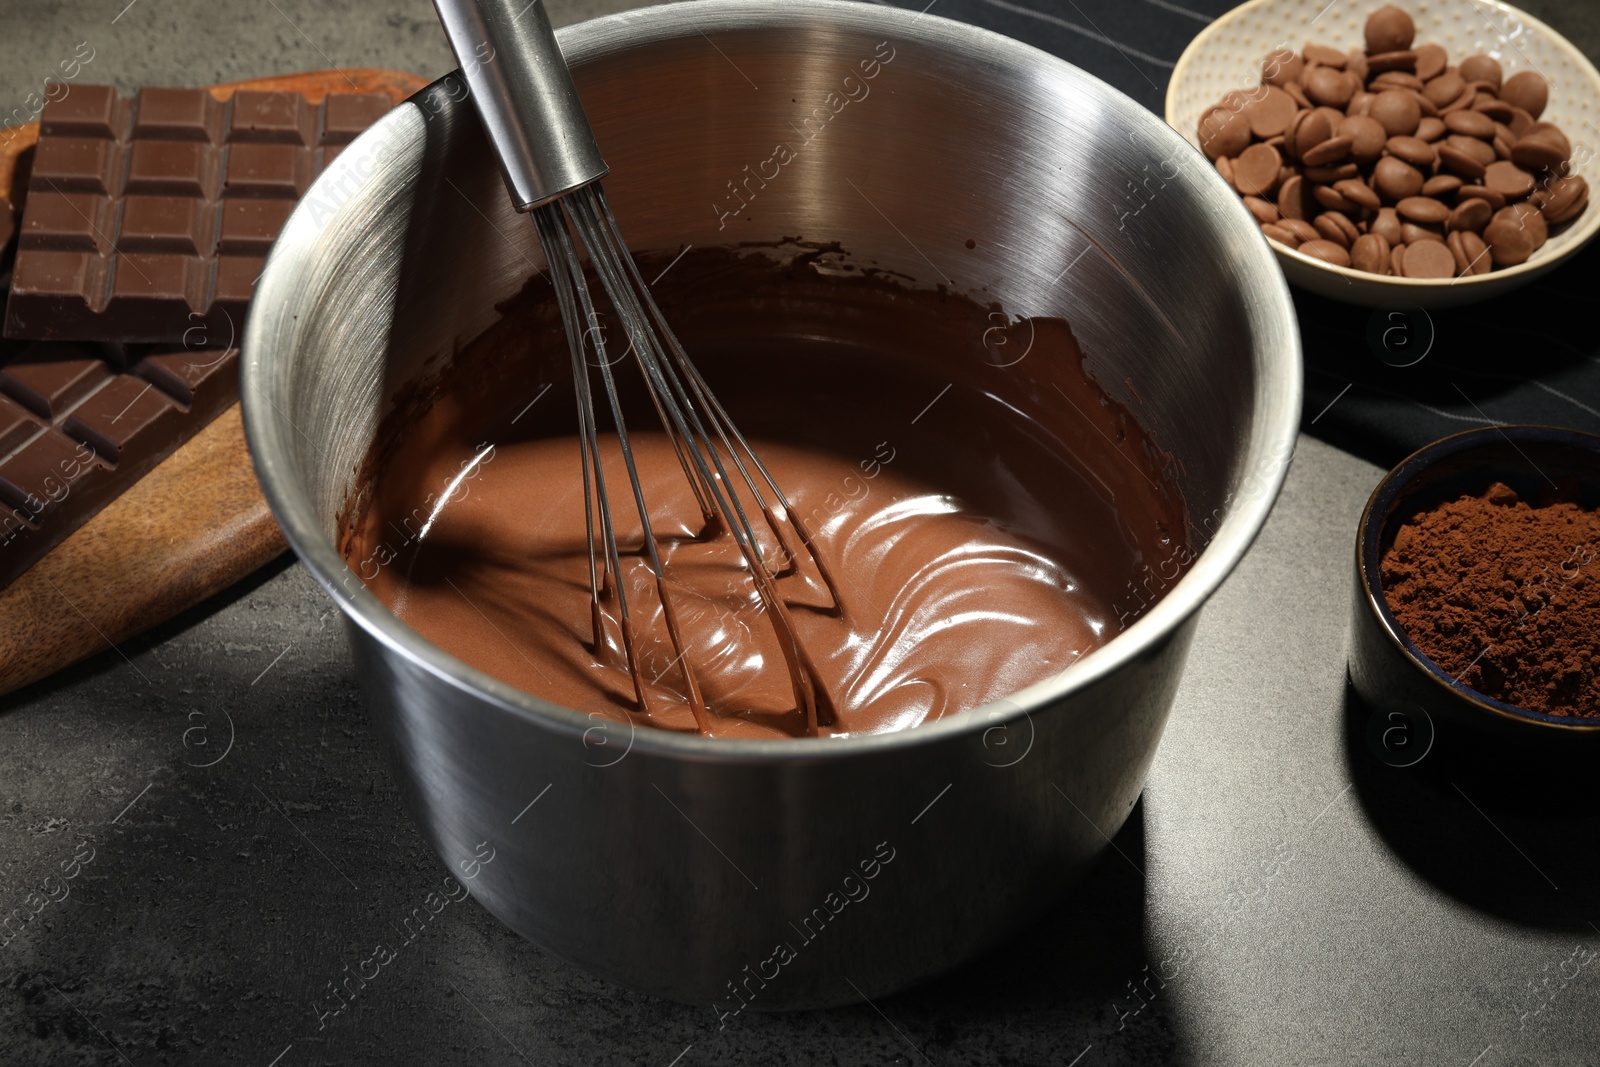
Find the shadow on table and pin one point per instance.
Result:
(1507, 831)
(118, 656)
(1068, 976)
(1526, 357)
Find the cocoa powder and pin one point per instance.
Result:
(1504, 596)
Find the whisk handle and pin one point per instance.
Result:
(524, 94)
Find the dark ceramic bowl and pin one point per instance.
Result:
(1389, 672)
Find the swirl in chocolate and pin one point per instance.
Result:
(976, 498)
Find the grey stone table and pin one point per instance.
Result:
(225, 841)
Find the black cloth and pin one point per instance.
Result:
(1532, 356)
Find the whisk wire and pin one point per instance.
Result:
(725, 425)
(567, 278)
(685, 405)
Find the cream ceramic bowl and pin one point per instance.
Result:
(1227, 56)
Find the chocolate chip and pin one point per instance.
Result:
(1562, 199)
(1498, 110)
(1444, 89)
(1328, 87)
(1301, 229)
(1429, 259)
(1389, 29)
(1470, 253)
(1430, 130)
(1338, 172)
(1266, 212)
(1334, 116)
(1422, 209)
(1412, 233)
(1541, 147)
(1327, 251)
(1481, 192)
(1386, 225)
(1281, 67)
(1461, 102)
(1397, 111)
(1307, 130)
(1459, 162)
(1331, 198)
(1367, 136)
(1292, 198)
(1470, 123)
(1509, 242)
(1270, 113)
(1473, 214)
(1441, 185)
(1481, 68)
(1330, 151)
(1337, 227)
(1431, 61)
(1256, 170)
(1397, 179)
(1397, 260)
(1403, 60)
(1280, 235)
(1359, 193)
(1412, 150)
(1223, 133)
(1529, 218)
(1508, 179)
(1471, 146)
(1224, 167)
(1396, 79)
(1528, 90)
(1371, 253)
(1322, 55)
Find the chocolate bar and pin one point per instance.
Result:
(8, 230)
(149, 218)
(80, 423)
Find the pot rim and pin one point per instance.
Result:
(1269, 443)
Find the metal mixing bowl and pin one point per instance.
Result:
(738, 873)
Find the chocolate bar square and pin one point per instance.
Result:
(173, 168)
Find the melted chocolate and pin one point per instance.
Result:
(977, 499)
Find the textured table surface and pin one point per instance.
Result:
(225, 840)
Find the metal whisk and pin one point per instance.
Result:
(530, 109)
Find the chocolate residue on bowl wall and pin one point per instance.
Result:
(980, 500)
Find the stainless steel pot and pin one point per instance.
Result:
(786, 874)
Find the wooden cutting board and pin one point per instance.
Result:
(193, 526)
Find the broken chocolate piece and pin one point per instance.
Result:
(76, 430)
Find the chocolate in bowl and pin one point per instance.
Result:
(672, 863)
(980, 502)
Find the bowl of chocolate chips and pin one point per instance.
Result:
(1478, 586)
(1424, 156)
